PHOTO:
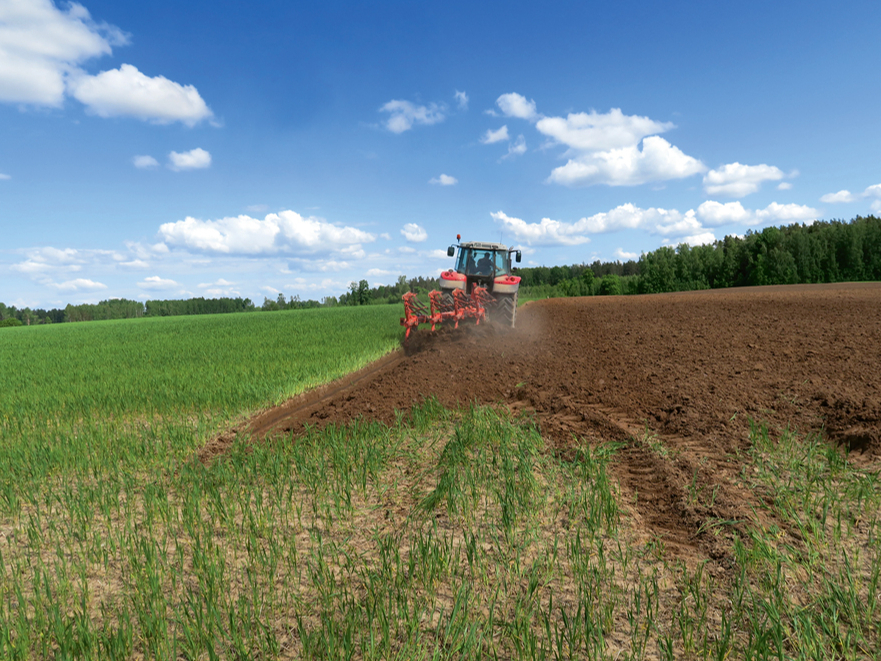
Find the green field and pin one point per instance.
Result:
(447, 535)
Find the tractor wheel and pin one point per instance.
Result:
(507, 308)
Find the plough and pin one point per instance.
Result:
(482, 282)
(445, 307)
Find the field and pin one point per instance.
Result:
(670, 476)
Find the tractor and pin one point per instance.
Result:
(481, 286)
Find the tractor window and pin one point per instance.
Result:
(482, 262)
(467, 263)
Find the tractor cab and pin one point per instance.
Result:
(481, 264)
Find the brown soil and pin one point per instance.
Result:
(675, 378)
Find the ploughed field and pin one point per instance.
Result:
(688, 373)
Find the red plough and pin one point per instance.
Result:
(445, 307)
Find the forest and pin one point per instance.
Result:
(823, 251)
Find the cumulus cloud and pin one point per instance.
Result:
(594, 131)
(605, 148)
(786, 213)
(846, 196)
(414, 233)
(703, 238)
(549, 232)
(155, 282)
(515, 105)
(499, 135)
(145, 162)
(43, 47)
(738, 180)
(283, 232)
(621, 254)
(126, 92)
(40, 44)
(195, 159)
(444, 180)
(79, 284)
(461, 100)
(404, 114)
(377, 272)
(784, 185)
(658, 160)
(714, 213)
(840, 196)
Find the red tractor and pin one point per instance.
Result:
(481, 286)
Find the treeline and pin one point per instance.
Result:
(121, 308)
(833, 251)
(824, 251)
(359, 293)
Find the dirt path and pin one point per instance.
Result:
(674, 377)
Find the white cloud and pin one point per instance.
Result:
(628, 166)
(195, 159)
(515, 105)
(840, 196)
(40, 44)
(42, 48)
(604, 148)
(155, 282)
(548, 232)
(738, 180)
(625, 256)
(407, 250)
(126, 92)
(257, 208)
(135, 264)
(517, 148)
(716, 213)
(784, 185)
(220, 283)
(378, 272)
(444, 180)
(4, 177)
(79, 284)
(414, 233)
(437, 253)
(786, 213)
(283, 232)
(600, 132)
(875, 206)
(461, 100)
(145, 162)
(700, 239)
(403, 115)
(873, 191)
(491, 136)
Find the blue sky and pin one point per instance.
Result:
(170, 150)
